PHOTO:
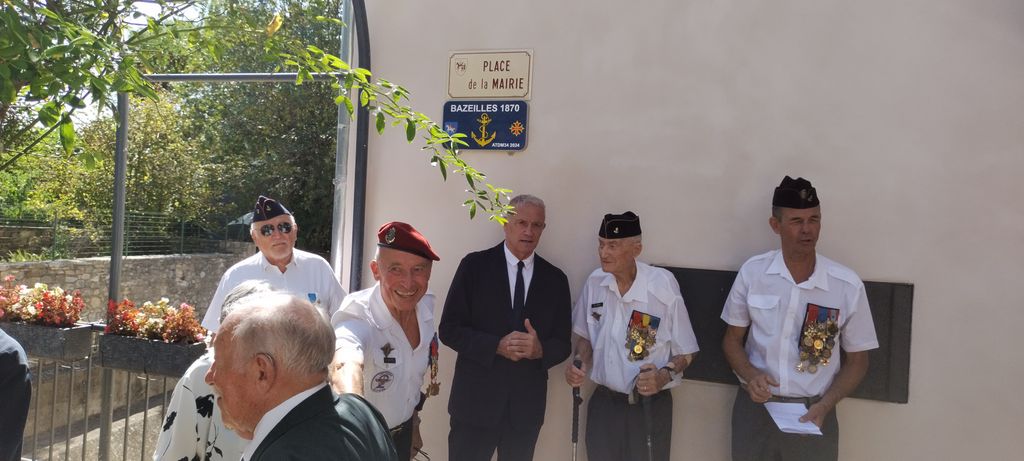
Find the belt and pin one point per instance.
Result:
(807, 401)
(618, 396)
(399, 429)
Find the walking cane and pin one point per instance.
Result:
(576, 401)
(649, 422)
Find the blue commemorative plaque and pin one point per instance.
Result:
(488, 125)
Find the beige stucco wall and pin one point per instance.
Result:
(907, 115)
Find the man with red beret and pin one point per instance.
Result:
(385, 334)
(789, 313)
(280, 264)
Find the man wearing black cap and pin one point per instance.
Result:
(385, 334)
(508, 316)
(280, 264)
(800, 309)
(633, 333)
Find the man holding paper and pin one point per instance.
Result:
(809, 330)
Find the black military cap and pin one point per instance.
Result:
(795, 193)
(267, 208)
(619, 226)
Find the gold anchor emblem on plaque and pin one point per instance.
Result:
(484, 139)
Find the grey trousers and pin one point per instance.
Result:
(755, 437)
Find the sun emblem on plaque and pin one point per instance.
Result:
(516, 128)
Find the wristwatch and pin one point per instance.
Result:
(671, 367)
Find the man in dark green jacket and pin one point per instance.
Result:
(271, 357)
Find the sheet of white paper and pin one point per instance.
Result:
(787, 417)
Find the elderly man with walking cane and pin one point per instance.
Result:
(633, 335)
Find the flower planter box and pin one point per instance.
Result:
(148, 356)
(66, 344)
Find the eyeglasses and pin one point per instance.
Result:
(267, 230)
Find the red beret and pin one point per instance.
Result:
(403, 237)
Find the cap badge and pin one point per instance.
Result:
(389, 238)
(267, 208)
(803, 194)
(615, 230)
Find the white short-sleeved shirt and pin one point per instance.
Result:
(308, 276)
(392, 369)
(602, 316)
(765, 298)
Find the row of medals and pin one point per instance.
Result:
(640, 337)
(816, 345)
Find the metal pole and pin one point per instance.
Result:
(284, 77)
(116, 252)
(341, 153)
(362, 143)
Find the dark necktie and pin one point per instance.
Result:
(519, 297)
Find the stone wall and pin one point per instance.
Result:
(190, 278)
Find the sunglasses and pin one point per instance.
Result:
(267, 230)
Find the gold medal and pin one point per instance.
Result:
(808, 341)
(818, 344)
(638, 349)
(433, 389)
(812, 368)
(827, 353)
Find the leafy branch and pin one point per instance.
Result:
(56, 55)
(387, 102)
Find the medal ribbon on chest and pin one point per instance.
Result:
(434, 387)
(640, 334)
(817, 337)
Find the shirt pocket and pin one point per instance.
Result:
(763, 311)
(595, 314)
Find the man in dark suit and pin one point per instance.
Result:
(508, 315)
(271, 357)
(16, 389)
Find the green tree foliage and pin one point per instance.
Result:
(275, 139)
(54, 56)
(168, 173)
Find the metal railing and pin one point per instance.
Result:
(145, 234)
(65, 416)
